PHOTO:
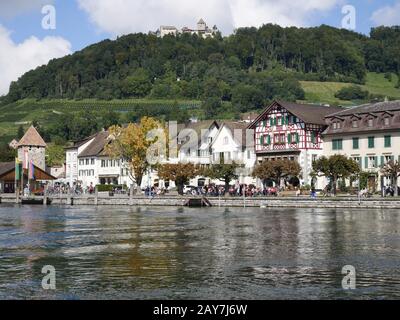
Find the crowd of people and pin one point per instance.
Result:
(234, 191)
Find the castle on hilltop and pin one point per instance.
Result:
(202, 30)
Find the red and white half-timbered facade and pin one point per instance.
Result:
(291, 131)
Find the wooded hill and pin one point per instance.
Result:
(247, 69)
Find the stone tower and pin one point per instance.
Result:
(201, 26)
(34, 144)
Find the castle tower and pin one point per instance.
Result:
(201, 26)
(34, 145)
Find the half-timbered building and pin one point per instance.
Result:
(292, 131)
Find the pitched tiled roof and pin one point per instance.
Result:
(6, 167)
(370, 108)
(309, 113)
(377, 112)
(79, 143)
(96, 147)
(32, 138)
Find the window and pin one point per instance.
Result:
(371, 142)
(280, 139)
(92, 161)
(386, 121)
(370, 123)
(356, 143)
(248, 154)
(293, 138)
(372, 162)
(81, 162)
(87, 162)
(314, 158)
(265, 140)
(337, 144)
(226, 141)
(313, 137)
(358, 160)
(388, 141)
(354, 124)
(337, 125)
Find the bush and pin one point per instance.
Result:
(352, 93)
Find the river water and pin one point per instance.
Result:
(218, 253)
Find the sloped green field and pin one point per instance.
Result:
(324, 92)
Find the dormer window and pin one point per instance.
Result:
(226, 140)
(386, 121)
(337, 125)
(354, 123)
(370, 123)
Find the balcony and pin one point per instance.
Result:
(277, 147)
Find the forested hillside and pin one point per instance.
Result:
(246, 69)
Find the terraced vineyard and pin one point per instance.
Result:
(46, 111)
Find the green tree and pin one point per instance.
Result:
(138, 85)
(223, 172)
(392, 170)
(6, 153)
(20, 132)
(336, 167)
(352, 93)
(180, 173)
(277, 170)
(55, 155)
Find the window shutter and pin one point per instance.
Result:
(262, 140)
(271, 122)
(297, 138)
(287, 120)
(268, 139)
(289, 138)
(392, 157)
(366, 162)
(376, 162)
(382, 161)
(360, 162)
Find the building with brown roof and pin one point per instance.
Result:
(370, 134)
(287, 130)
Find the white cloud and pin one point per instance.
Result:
(12, 8)
(125, 16)
(283, 12)
(387, 16)
(16, 59)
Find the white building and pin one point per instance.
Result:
(370, 134)
(167, 30)
(202, 30)
(235, 143)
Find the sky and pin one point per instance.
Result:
(32, 32)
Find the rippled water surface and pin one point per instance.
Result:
(218, 253)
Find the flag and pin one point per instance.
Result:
(31, 174)
(26, 160)
(17, 169)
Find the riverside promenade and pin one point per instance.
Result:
(178, 201)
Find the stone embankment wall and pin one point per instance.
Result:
(375, 203)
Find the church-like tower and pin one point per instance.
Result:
(33, 144)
